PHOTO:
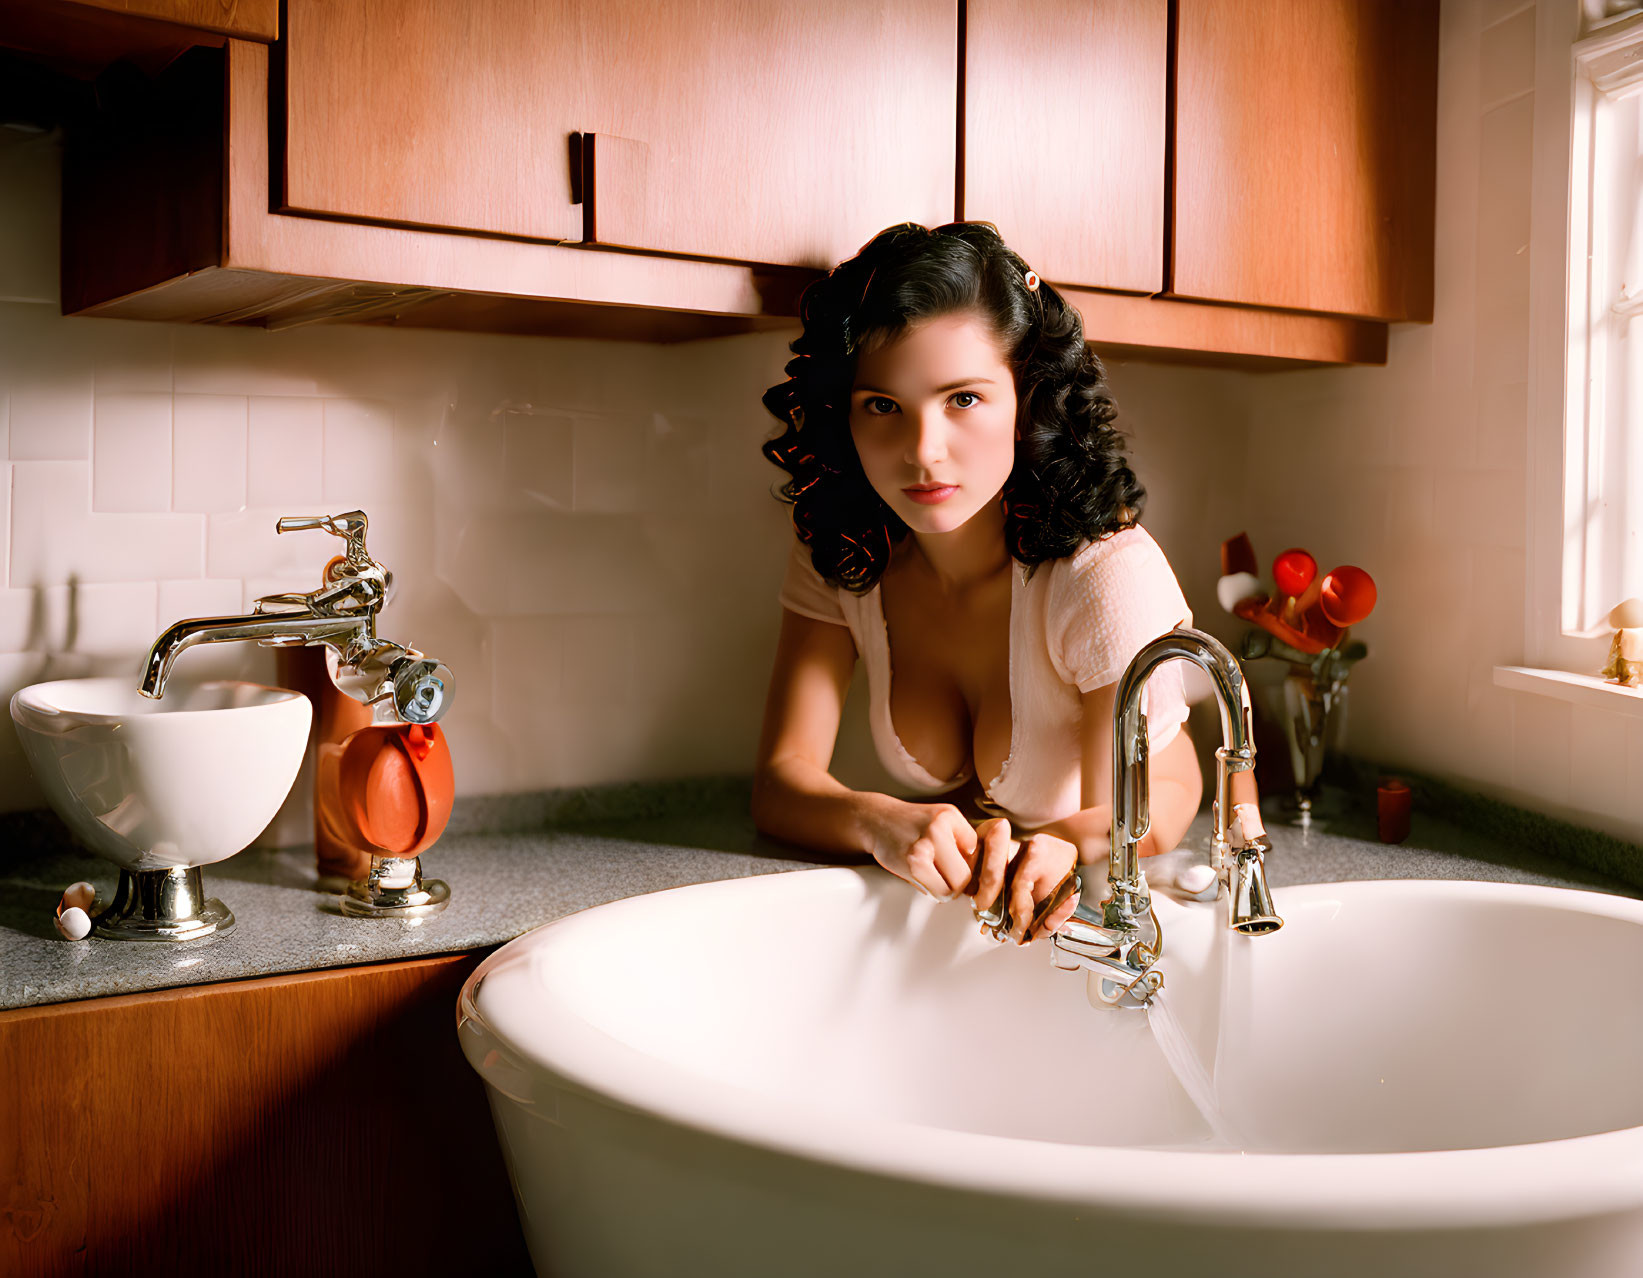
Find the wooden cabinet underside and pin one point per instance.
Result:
(253, 265)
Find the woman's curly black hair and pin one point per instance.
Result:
(1070, 482)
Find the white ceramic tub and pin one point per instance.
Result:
(822, 1072)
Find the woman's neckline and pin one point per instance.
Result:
(1017, 583)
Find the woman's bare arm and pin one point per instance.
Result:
(795, 798)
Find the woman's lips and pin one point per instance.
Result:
(930, 496)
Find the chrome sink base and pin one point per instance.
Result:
(395, 888)
(162, 905)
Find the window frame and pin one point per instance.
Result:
(1572, 70)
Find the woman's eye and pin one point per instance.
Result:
(870, 404)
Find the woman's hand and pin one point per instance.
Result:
(931, 845)
(1034, 872)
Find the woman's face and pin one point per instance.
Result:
(936, 406)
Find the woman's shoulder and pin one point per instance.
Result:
(1094, 555)
(1122, 563)
(806, 592)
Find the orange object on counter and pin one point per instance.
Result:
(379, 789)
(395, 786)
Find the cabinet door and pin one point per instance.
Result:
(1305, 154)
(780, 131)
(776, 131)
(1064, 135)
(429, 113)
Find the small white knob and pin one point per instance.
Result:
(1195, 879)
(74, 923)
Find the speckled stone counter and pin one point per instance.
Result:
(578, 855)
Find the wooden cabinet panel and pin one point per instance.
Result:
(82, 38)
(245, 19)
(781, 131)
(208, 133)
(1064, 135)
(1305, 154)
(324, 1122)
(427, 113)
(780, 105)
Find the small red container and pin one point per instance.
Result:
(1392, 803)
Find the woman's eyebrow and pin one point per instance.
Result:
(967, 381)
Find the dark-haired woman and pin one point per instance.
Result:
(963, 517)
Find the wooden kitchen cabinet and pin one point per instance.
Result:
(1064, 135)
(1305, 155)
(168, 215)
(782, 132)
(1296, 140)
(272, 187)
(323, 1122)
(81, 38)
(243, 19)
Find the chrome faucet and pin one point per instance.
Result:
(405, 685)
(1113, 945)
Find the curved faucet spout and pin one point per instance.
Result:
(1111, 943)
(1131, 818)
(403, 685)
(270, 628)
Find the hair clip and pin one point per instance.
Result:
(1032, 281)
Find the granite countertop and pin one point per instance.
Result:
(506, 881)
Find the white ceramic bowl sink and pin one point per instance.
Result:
(822, 1072)
(151, 785)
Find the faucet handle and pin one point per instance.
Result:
(350, 526)
(352, 580)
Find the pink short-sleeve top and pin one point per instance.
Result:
(1074, 627)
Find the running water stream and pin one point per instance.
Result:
(1189, 1071)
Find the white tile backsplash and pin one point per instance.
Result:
(198, 597)
(128, 357)
(1503, 424)
(285, 452)
(21, 620)
(104, 618)
(55, 535)
(537, 462)
(131, 452)
(1544, 739)
(1598, 763)
(609, 465)
(50, 416)
(209, 449)
(359, 452)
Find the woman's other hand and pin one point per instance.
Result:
(931, 845)
(1033, 872)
